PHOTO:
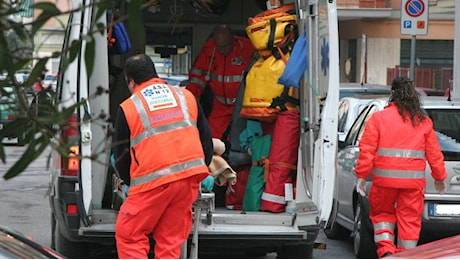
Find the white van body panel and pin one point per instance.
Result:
(85, 124)
(100, 107)
(329, 121)
(317, 149)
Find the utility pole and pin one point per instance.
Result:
(412, 57)
(456, 86)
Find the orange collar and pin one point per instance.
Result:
(147, 83)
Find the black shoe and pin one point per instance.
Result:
(387, 254)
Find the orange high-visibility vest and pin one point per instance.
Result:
(165, 144)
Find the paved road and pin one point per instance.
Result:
(24, 207)
(23, 199)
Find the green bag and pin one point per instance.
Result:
(260, 147)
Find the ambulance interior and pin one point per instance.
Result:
(174, 33)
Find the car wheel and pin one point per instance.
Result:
(300, 251)
(363, 242)
(22, 139)
(336, 231)
(53, 232)
(70, 249)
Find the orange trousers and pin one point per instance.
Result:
(401, 207)
(166, 211)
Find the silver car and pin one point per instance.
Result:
(349, 109)
(353, 89)
(441, 213)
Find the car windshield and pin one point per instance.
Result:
(179, 81)
(173, 82)
(7, 96)
(50, 77)
(446, 123)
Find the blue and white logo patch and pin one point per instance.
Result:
(159, 96)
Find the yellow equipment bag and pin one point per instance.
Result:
(269, 29)
(263, 96)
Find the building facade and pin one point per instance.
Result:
(375, 51)
(372, 48)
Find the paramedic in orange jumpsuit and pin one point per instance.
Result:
(162, 146)
(394, 148)
(220, 65)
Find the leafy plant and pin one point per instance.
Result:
(17, 53)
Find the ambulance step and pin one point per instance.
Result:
(252, 218)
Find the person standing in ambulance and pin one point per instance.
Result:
(220, 66)
(162, 149)
(394, 148)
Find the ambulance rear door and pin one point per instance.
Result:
(319, 108)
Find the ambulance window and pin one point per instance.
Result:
(170, 61)
(170, 49)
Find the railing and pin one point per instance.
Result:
(363, 3)
(430, 78)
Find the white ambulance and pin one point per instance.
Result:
(82, 197)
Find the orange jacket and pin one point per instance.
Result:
(222, 73)
(395, 152)
(164, 140)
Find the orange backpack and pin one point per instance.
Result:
(273, 29)
(273, 33)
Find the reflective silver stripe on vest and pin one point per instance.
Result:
(383, 236)
(407, 243)
(398, 174)
(401, 153)
(198, 81)
(384, 225)
(141, 111)
(227, 79)
(197, 71)
(227, 101)
(148, 130)
(166, 171)
(273, 198)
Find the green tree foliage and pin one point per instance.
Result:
(16, 53)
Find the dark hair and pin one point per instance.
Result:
(406, 98)
(140, 68)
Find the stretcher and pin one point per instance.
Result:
(204, 204)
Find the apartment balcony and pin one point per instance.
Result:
(363, 4)
(359, 9)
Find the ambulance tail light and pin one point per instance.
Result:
(71, 162)
(72, 209)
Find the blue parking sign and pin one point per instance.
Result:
(407, 24)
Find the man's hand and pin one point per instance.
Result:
(361, 187)
(440, 186)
